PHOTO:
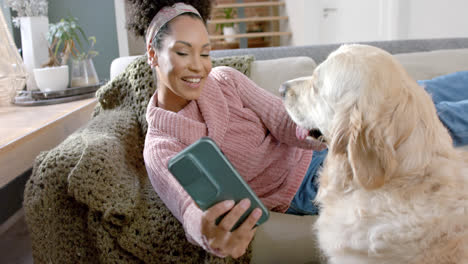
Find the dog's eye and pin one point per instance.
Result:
(291, 93)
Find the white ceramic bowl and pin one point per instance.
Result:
(51, 78)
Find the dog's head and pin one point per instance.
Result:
(366, 106)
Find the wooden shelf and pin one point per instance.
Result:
(263, 21)
(252, 43)
(247, 19)
(252, 4)
(251, 35)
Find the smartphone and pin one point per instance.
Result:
(209, 178)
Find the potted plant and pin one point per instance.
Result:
(227, 28)
(64, 38)
(33, 22)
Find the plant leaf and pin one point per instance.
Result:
(77, 39)
(57, 46)
(82, 32)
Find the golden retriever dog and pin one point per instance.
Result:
(392, 189)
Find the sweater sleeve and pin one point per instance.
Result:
(268, 107)
(157, 153)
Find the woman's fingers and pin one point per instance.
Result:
(209, 228)
(220, 238)
(241, 237)
(228, 222)
(240, 241)
(222, 233)
(252, 220)
(217, 210)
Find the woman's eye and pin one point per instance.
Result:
(205, 55)
(181, 53)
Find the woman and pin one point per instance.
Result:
(250, 126)
(193, 100)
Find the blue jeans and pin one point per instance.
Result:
(302, 203)
(450, 96)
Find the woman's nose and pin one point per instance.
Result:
(196, 64)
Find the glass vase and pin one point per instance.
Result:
(83, 73)
(12, 71)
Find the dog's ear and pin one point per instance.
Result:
(371, 156)
(339, 142)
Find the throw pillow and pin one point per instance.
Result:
(241, 63)
(270, 74)
(446, 86)
(447, 92)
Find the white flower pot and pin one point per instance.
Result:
(34, 45)
(228, 31)
(52, 78)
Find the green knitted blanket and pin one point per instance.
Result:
(89, 200)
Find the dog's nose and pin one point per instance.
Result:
(283, 89)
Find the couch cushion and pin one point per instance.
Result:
(270, 74)
(118, 65)
(430, 64)
(288, 239)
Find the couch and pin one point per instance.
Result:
(71, 220)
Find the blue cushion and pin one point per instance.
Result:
(450, 96)
(447, 87)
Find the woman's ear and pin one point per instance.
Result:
(152, 57)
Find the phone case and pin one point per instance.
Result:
(208, 177)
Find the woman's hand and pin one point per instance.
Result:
(219, 237)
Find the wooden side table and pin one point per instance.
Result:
(26, 131)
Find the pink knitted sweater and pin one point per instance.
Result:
(250, 126)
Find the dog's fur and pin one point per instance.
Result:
(393, 189)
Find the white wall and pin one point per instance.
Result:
(435, 19)
(302, 22)
(331, 21)
(122, 33)
(129, 44)
(354, 20)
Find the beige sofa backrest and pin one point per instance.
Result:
(270, 74)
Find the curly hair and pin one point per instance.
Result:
(141, 12)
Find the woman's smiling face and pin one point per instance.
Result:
(182, 63)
